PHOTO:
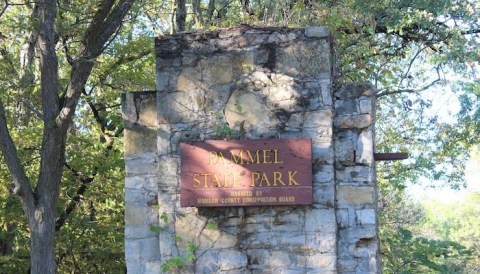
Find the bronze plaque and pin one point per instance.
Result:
(246, 173)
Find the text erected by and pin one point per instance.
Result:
(246, 173)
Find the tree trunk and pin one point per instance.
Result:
(181, 15)
(197, 13)
(210, 11)
(40, 204)
(42, 236)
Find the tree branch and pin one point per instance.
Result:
(398, 91)
(20, 180)
(105, 23)
(86, 181)
(48, 61)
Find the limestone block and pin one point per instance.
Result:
(343, 218)
(279, 259)
(230, 33)
(355, 195)
(247, 109)
(321, 242)
(151, 184)
(163, 139)
(142, 250)
(133, 266)
(179, 107)
(190, 79)
(324, 174)
(319, 118)
(346, 107)
(262, 77)
(132, 254)
(314, 103)
(353, 121)
(352, 235)
(140, 215)
(301, 261)
(217, 69)
(139, 140)
(294, 241)
(366, 106)
(280, 79)
(258, 257)
(322, 152)
(368, 264)
(290, 133)
(326, 92)
(135, 182)
(355, 174)
(311, 87)
(322, 262)
(355, 90)
(321, 135)
(282, 92)
(307, 59)
(366, 216)
(208, 262)
(225, 240)
(259, 239)
(300, 270)
(320, 220)
(144, 164)
(139, 231)
(189, 60)
(168, 247)
(295, 120)
(139, 196)
(129, 110)
(324, 194)
(151, 267)
(188, 227)
(232, 259)
(345, 148)
(317, 32)
(163, 79)
(364, 248)
(284, 97)
(217, 97)
(365, 148)
(346, 265)
(168, 62)
(257, 227)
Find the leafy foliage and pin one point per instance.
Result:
(403, 47)
(406, 253)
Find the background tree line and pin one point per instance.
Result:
(64, 65)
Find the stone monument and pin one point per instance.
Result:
(247, 83)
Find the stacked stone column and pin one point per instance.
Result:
(356, 196)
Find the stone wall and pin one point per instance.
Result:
(250, 83)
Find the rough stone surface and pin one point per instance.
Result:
(320, 32)
(365, 147)
(353, 121)
(251, 83)
(139, 140)
(353, 195)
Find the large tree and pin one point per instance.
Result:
(39, 198)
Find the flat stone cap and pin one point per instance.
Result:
(318, 32)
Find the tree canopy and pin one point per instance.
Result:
(64, 64)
